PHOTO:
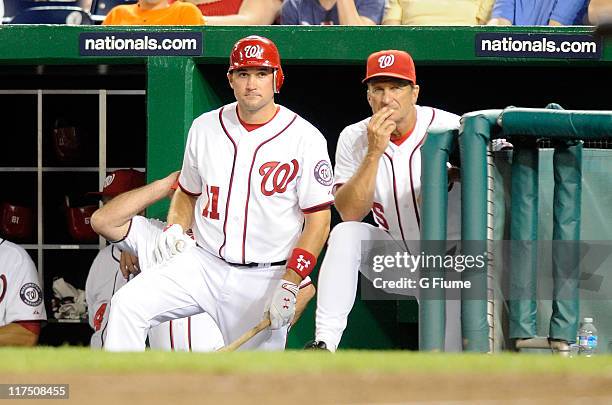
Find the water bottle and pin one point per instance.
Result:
(587, 338)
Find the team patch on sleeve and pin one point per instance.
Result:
(323, 173)
(31, 294)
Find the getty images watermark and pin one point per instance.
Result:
(405, 262)
(515, 270)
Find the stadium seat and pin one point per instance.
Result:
(53, 15)
(99, 8)
(14, 7)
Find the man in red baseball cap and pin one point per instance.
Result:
(378, 169)
(120, 181)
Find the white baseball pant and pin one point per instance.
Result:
(338, 276)
(195, 281)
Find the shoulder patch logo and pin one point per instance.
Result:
(323, 173)
(3, 286)
(31, 294)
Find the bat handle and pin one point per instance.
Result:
(247, 336)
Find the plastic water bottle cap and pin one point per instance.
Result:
(588, 320)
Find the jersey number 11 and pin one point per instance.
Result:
(210, 210)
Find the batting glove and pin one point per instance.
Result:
(282, 307)
(171, 242)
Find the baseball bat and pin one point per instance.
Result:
(246, 337)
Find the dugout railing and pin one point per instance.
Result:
(523, 126)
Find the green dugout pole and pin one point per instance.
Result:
(474, 136)
(567, 168)
(524, 234)
(434, 190)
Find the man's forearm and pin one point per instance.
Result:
(353, 199)
(303, 298)
(182, 209)
(348, 14)
(112, 220)
(312, 239)
(16, 335)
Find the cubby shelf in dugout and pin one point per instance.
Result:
(30, 156)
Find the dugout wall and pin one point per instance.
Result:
(323, 68)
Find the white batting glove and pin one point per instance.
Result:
(171, 242)
(282, 307)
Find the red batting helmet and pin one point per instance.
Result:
(79, 222)
(16, 221)
(256, 51)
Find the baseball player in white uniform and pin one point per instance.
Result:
(108, 271)
(108, 274)
(378, 168)
(256, 183)
(196, 333)
(22, 308)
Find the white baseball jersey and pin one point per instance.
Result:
(103, 280)
(21, 298)
(254, 187)
(398, 182)
(195, 333)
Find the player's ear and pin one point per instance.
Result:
(230, 79)
(415, 93)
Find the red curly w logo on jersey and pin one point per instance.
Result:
(277, 176)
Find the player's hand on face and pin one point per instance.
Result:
(282, 306)
(128, 264)
(172, 241)
(379, 131)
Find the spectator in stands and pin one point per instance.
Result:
(154, 12)
(540, 12)
(437, 12)
(600, 11)
(1, 11)
(332, 12)
(238, 12)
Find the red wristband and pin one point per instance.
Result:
(302, 262)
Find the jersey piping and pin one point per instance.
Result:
(4, 284)
(246, 206)
(229, 193)
(399, 218)
(418, 147)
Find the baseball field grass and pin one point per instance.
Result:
(346, 377)
(78, 360)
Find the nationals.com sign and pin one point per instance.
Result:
(562, 46)
(140, 44)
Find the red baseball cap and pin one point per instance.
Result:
(120, 181)
(390, 63)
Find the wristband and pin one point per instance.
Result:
(302, 262)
